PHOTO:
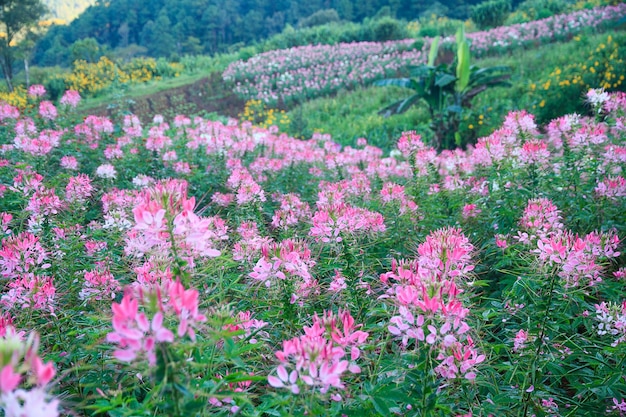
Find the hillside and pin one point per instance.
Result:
(178, 27)
(67, 10)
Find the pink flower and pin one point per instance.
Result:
(520, 340)
(43, 372)
(284, 380)
(78, 189)
(36, 90)
(9, 379)
(185, 305)
(470, 210)
(133, 333)
(69, 162)
(70, 98)
(47, 110)
(106, 171)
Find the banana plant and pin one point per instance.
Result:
(447, 89)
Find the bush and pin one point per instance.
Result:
(491, 13)
(434, 25)
(387, 29)
(561, 91)
(319, 18)
(55, 87)
(530, 10)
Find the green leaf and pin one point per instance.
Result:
(463, 65)
(442, 80)
(434, 50)
(399, 82)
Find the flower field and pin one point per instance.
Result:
(189, 267)
(315, 70)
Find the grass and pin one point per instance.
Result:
(353, 114)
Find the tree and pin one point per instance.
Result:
(17, 18)
(447, 89)
(86, 49)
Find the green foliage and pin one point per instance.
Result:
(529, 10)
(388, 29)
(562, 65)
(490, 14)
(434, 25)
(602, 65)
(372, 30)
(447, 89)
(168, 27)
(321, 17)
(17, 19)
(352, 115)
(86, 49)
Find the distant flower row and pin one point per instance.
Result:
(308, 71)
(315, 70)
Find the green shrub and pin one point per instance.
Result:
(55, 87)
(537, 9)
(321, 17)
(387, 29)
(490, 14)
(434, 25)
(560, 92)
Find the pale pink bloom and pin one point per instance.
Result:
(248, 325)
(36, 403)
(182, 120)
(21, 254)
(612, 187)
(597, 97)
(47, 110)
(132, 126)
(36, 90)
(30, 291)
(134, 334)
(470, 210)
(44, 372)
(69, 162)
(99, 285)
(70, 98)
(8, 112)
(618, 406)
(5, 221)
(142, 181)
(284, 380)
(45, 202)
(520, 340)
(541, 216)
(501, 241)
(182, 168)
(9, 379)
(185, 305)
(78, 188)
(534, 151)
(338, 283)
(106, 171)
(222, 199)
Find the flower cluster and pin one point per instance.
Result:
(315, 360)
(137, 335)
(430, 312)
(24, 377)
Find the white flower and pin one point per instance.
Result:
(106, 171)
